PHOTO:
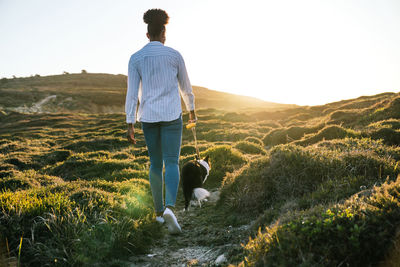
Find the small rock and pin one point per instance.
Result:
(220, 259)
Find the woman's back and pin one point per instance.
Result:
(155, 74)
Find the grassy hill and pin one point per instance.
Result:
(100, 93)
(301, 186)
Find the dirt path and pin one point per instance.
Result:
(206, 237)
(36, 107)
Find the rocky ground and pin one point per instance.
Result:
(207, 239)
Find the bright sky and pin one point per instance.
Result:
(288, 51)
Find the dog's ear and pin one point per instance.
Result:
(206, 158)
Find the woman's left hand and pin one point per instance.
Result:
(131, 134)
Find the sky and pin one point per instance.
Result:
(308, 52)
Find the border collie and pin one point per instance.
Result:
(194, 173)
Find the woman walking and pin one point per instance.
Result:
(154, 73)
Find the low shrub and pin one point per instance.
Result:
(237, 117)
(78, 223)
(188, 150)
(53, 157)
(28, 179)
(390, 123)
(291, 172)
(225, 135)
(93, 199)
(249, 148)
(357, 233)
(81, 167)
(129, 173)
(270, 124)
(21, 161)
(223, 159)
(343, 117)
(391, 110)
(254, 140)
(275, 137)
(363, 144)
(327, 133)
(122, 155)
(300, 117)
(287, 135)
(97, 144)
(389, 136)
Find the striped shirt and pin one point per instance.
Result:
(154, 73)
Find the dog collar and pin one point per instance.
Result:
(205, 165)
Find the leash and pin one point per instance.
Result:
(192, 126)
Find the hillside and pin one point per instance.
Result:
(100, 93)
(301, 186)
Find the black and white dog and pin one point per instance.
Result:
(194, 174)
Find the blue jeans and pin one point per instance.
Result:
(163, 140)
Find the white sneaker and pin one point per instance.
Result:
(160, 219)
(172, 222)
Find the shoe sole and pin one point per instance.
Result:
(173, 228)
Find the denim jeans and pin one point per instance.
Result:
(163, 140)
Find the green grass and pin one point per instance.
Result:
(223, 159)
(249, 148)
(319, 182)
(357, 233)
(305, 174)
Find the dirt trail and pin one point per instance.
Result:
(36, 107)
(205, 238)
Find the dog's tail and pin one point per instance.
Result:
(200, 193)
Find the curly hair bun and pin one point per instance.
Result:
(155, 17)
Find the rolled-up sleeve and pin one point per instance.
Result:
(132, 92)
(184, 84)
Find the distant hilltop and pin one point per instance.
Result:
(102, 93)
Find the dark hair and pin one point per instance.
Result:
(155, 20)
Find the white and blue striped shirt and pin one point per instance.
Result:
(154, 73)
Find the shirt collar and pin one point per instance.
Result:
(154, 43)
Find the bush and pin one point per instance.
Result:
(53, 157)
(357, 233)
(327, 133)
(78, 223)
(188, 150)
(223, 159)
(390, 123)
(287, 135)
(28, 179)
(389, 136)
(344, 117)
(248, 189)
(249, 148)
(236, 117)
(224, 135)
(301, 117)
(390, 111)
(254, 140)
(293, 172)
(97, 144)
(275, 137)
(364, 144)
(80, 167)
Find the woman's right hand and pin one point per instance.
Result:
(131, 134)
(192, 117)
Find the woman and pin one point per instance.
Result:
(154, 74)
